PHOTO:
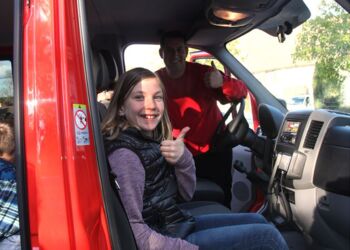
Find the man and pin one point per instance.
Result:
(193, 91)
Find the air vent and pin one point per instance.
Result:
(312, 134)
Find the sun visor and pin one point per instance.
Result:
(291, 16)
(238, 13)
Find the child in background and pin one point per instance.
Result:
(9, 219)
(155, 172)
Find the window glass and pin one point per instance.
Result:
(311, 68)
(205, 58)
(143, 55)
(6, 90)
(147, 56)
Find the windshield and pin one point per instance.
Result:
(311, 68)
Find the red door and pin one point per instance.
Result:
(65, 203)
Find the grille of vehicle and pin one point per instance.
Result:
(312, 134)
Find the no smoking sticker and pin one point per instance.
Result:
(80, 124)
(80, 119)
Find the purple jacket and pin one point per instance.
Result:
(130, 173)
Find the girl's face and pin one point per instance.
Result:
(144, 107)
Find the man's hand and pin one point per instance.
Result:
(172, 150)
(214, 78)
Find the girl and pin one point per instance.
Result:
(155, 172)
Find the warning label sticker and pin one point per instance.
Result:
(81, 127)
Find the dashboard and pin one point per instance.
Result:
(310, 181)
(289, 132)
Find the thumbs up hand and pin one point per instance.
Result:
(172, 150)
(214, 78)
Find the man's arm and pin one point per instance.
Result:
(233, 90)
(226, 89)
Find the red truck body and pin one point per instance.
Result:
(66, 210)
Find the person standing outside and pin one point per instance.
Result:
(9, 218)
(193, 91)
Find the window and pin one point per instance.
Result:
(310, 69)
(147, 56)
(143, 55)
(6, 90)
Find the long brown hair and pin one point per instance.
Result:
(113, 122)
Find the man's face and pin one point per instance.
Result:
(174, 54)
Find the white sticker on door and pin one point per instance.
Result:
(80, 124)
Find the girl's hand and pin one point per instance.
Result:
(172, 150)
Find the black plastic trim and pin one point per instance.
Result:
(120, 232)
(332, 166)
(21, 173)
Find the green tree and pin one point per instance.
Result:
(326, 41)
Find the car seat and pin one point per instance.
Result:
(113, 75)
(101, 79)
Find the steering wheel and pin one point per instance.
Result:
(234, 132)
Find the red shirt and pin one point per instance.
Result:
(191, 103)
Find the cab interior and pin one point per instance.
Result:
(306, 191)
(112, 25)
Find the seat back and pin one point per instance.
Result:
(100, 71)
(112, 68)
(105, 75)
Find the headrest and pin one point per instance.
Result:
(111, 65)
(270, 120)
(100, 71)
